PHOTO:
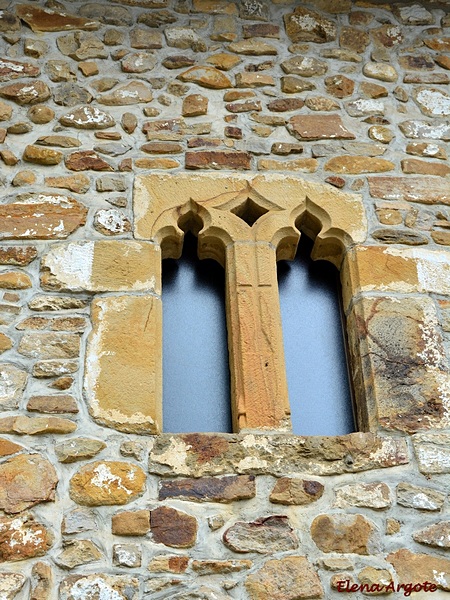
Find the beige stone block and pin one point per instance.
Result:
(123, 383)
(102, 266)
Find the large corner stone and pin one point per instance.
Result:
(399, 364)
(123, 380)
(103, 266)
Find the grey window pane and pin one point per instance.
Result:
(196, 378)
(319, 390)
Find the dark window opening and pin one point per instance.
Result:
(196, 378)
(319, 390)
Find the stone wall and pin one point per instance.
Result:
(342, 94)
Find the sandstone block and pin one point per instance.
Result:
(194, 105)
(80, 448)
(207, 77)
(11, 584)
(26, 480)
(78, 183)
(111, 221)
(302, 165)
(432, 102)
(358, 164)
(367, 495)
(26, 93)
(420, 498)
(22, 538)
(432, 452)
(50, 345)
(42, 581)
(7, 448)
(131, 522)
(346, 533)
(76, 553)
(12, 384)
(41, 216)
(265, 535)
(421, 167)
(78, 520)
(425, 190)
(87, 117)
(134, 92)
(12, 69)
(184, 38)
(354, 39)
(49, 303)
(423, 129)
(111, 15)
(218, 160)
(102, 266)
(209, 489)
(173, 528)
(436, 535)
(36, 426)
(86, 160)
(410, 566)
(290, 578)
(253, 47)
(127, 555)
(296, 491)
(107, 483)
(317, 127)
(42, 156)
(98, 585)
(53, 404)
(304, 66)
(81, 46)
(304, 25)
(40, 19)
(380, 71)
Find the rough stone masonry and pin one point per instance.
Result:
(349, 96)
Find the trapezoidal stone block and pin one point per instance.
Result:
(123, 378)
(103, 266)
(399, 366)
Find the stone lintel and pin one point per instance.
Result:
(102, 266)
(123, 379)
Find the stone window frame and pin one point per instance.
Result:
(395, 342)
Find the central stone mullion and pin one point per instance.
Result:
(258, 376)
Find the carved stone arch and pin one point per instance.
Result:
(248, 223)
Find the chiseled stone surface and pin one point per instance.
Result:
(107, 482)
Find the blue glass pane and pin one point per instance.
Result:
(196, 388)
(316, 366)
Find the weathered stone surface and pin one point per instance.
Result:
(86, 160)
(339, 86)
(196, 455)
(101, 266)
(53, 404)
(50, 345)
(305, 66)
(8, 22)
(78, 183)
(375, 579)
(42, 156)
(208, 77)
(424, 129)
(253, 47)
(290, 578)
(173, 528)
(87, 117)
(12, 69)
(12, 384)
(293, 85)
(321, 103)
(17, 255)
(436, 535)
(40, 19)
(76, 553)
(40, 115)
(420, 498)
(432, 102)
(107, 483)
(54, 368)
(36, 426)
(209, 489)
(22, 538)
(246, 106)
(26, 480)
(111, 221)
(111, 15)
(211, 567)
(346, 533)
(358, 164)
(194, 105)
(6, 111)
(7, 447)
(317, 127)
(354, 39)
(184, 38)
(78, 520)
(80, 448)
(421, 567)
(367, 495)
(381, 134)
(215, 159)
(45, 303)
(253, 80)
(426, 190)
(429, 150)
(138, 62)
(432, 452)
(302, 165)
(41, 581)
(98, 585)
(265, 535)
(14, 280)
(421, 167)
(380, 71)
(131, 522)
(127, 555)
(134, 92)
(285, 104)
(296, 491)
(363, 107)
(413, 14)
(162, 148)
(41, 216)
(81, 46)
(304, 25)
(11, 584)
(26, 93)
(6, 343)
(174, 563)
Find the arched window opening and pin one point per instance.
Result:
(315, 355)
(196, 379)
